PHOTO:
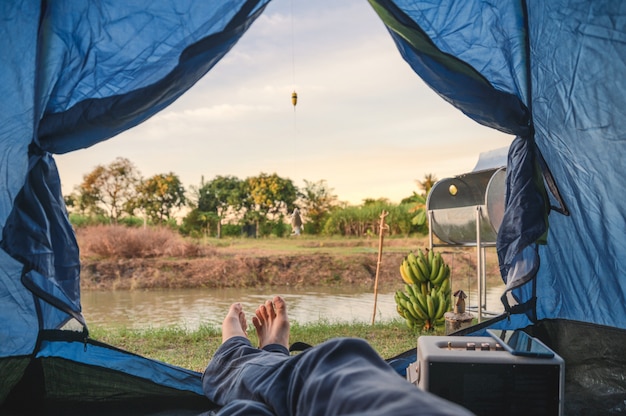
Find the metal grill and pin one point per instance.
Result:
(467, 210)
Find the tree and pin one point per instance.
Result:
(418, 208)
(316, 201)
(220, 195)
(198, 223)
(76, 203)
(270, 197)
(159, 195)
(110, 188)
(427, 183)
(372, 201)
(419, 200)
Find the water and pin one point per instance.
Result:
(190, 308)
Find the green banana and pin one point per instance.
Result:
(410, 310)
(416, 273)
(421, 255)
(441, 274)
(408, 289)
(435, 266)
(400, 294)
(418, 307)
(441, 307)
(435, 295)
(424, 269)
(422, 303)
(400, 311)
(431, 254)
(408, 307)
(421, 313)
(410, 292)
(418, 299)
(444, 286)
(431, 306)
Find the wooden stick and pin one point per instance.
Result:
(380, 256)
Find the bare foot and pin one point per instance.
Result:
(271, 323)
(234, 323)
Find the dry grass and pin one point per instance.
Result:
(116, 241)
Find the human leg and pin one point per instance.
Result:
(346, 376)
(339, 377)
(239, 371)
(245, 408)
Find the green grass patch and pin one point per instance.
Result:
(193, 349)
(307, 244)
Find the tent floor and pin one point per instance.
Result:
(595, 365)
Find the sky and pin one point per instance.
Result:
(365, 122)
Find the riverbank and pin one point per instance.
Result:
(119, 259)
(113, 258)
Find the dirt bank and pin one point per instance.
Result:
(255, 271)
(114, 257)
(239, 271)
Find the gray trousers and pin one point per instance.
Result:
(343, 376)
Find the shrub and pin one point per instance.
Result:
(79, 220)
(126, 242)
(131, 221)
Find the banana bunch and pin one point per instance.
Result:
(426, 296)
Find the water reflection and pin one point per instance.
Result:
(190, 308)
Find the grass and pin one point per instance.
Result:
(307, 244)
(193, 349)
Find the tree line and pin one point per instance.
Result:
(256, 206)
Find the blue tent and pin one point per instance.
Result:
(76, 73)
(553, 73)
(549, 72)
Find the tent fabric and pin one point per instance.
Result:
(560, 64)
(580, 124)
(84, 71)
(74, 74)
(443, 44)
(550, 73)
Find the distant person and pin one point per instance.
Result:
(296, 222)
(342, 376)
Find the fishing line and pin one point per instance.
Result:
(294, 94)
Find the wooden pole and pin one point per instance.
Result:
(380, 256)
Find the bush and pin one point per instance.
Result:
(358, 221)
(231, 230)
(124, 242)
(131, 221)
(79, 220)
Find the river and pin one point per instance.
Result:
(191, 308)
